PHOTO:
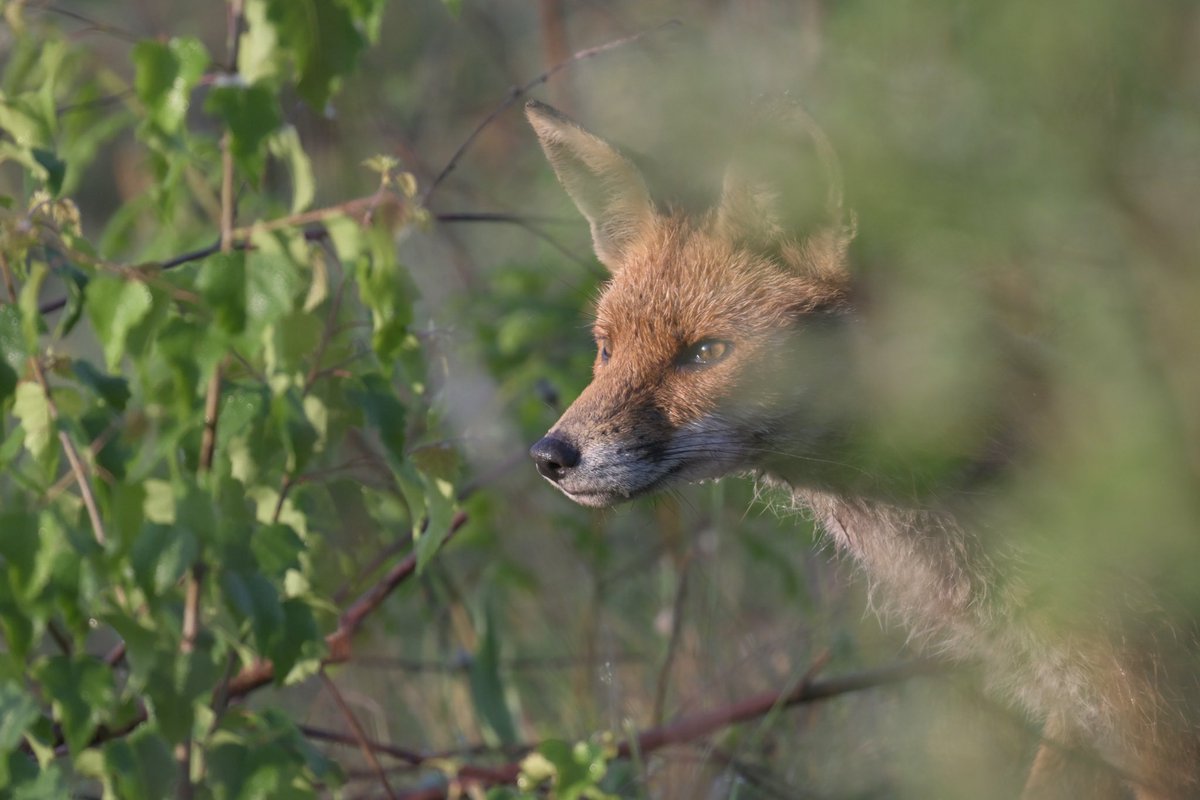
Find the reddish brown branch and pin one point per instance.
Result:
(263, 672)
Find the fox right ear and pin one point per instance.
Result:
(606, 186)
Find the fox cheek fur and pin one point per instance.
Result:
(699, 329)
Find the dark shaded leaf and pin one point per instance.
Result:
(114, 390)
(251, 114)
(81, 691)
(487, 687)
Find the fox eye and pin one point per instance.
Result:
(705, 353)
(602, 344)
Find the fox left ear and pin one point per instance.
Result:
(605, 185)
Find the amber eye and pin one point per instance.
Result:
(603, 345)
(705, 353)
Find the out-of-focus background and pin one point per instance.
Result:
(1029, 162)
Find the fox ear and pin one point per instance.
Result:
(782, 194)
(606, 186)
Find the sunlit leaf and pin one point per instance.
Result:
(165, 74)
(285, 145)
(115, 307)
(33, 410)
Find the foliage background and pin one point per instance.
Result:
(375, 381)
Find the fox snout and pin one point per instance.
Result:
(554, 457)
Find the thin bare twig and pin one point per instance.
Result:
(359, 734)
(517, 92)
(529, 224)
(410, 757)
(92, 24)
(97, 445)
(77, 466)
(99, 102)
(664, 672)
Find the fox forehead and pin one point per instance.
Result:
(680, 284)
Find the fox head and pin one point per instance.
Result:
(716, 336)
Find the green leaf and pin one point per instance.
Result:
(46, 783)
(27, 302)
(296, 637)
(18, 710)
(487, 687)
(178, 682)
(277, 549)
(273, 285)
(19, 546)
(112, 389)
(222, 283)
(14, 351)
(115, 307)
(295, 430)
(575, 768)
(160, 556)
(285, 145)
(164, 76)
(33, 410)
(17, 620)
(55, 168)
(292, 340)
(323, 41)
(251, 114)
(241, 407)
(439, 508)
(140, 766)
(386, 290)
(81, 691)
(383, 412)
(8, 384)
(10, 448)
(75, 281)
(253, 598)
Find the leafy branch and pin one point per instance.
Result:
(684, 730)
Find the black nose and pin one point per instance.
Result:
(554, 457)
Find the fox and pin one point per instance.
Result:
(723, 335)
